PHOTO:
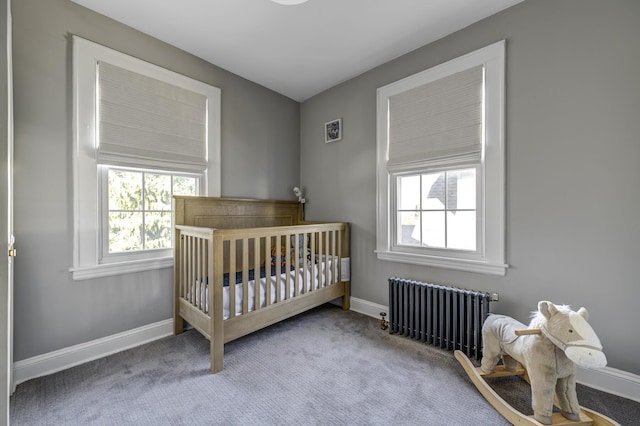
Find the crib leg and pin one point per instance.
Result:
(346, 299)
(178, 324)
(217, 353)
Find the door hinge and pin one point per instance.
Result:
(13, 253)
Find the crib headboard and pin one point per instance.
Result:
(233, 213)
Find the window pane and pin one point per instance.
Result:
(157, 230)
(409, 228)
(409, 191)
(157, 191)
(433, 194)
(433, 229)
(125, 190)
(461, 189)
(184, 185)
(461, 230)
(125, 231)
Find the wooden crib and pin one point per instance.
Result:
(256, 256)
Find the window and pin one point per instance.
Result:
(137, 213)
(141, 134)
(441, 165)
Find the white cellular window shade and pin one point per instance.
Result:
(440, 119)
(142, 118)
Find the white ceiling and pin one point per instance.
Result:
(298, 50)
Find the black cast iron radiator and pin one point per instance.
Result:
(448, 317)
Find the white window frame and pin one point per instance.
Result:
(86, 203)
(490, 255)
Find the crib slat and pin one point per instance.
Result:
(199, 275)
(320, 254)
(183, 272)
(267, 270)
(313, 262)
(329, 259)
(187, 283)
(334, 263)
(206, 273)
(201, 281)
(189, 265)
(232, 278)
(256, 273)
(287, 274)
(245, 275)
(330, 255)
(305, 263)
(193, 280)
(194, 269)
(197, 271)
(296, 259)
(337, 269)
(277, 276)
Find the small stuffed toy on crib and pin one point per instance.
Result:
(299, 240)
(549, 356)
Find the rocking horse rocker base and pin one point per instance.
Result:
(515, 417)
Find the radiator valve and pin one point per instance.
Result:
(383, 322)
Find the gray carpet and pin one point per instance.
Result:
(323, 367)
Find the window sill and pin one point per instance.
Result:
(444, 262)
(110, 269)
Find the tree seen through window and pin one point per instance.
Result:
(139, 207)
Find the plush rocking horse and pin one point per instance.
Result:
(549, 348)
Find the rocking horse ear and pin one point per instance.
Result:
(584, 313)
(546, 308)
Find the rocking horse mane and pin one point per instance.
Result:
(537, 319)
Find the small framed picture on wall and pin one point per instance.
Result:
(333, 130)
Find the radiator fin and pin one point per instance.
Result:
(447, 317)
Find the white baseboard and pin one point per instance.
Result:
(367, 308)
(62, 359)
(610, 380)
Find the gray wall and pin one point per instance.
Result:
(573, 147)
(260, 152)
